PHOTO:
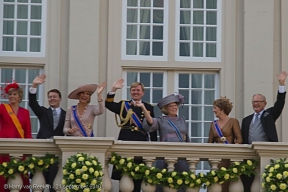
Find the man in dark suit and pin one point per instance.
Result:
(131, 118)
(51, 120)
(260, 126)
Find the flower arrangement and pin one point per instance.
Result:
(40, 163)
(8, 169)
(82, 172)
(30, 164)
(177, 180)
(275, 176)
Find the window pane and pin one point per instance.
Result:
(184, 49)
(207, 128)
(211, 4)
(210, 50)
(198, 17)
(6, 75)
(32, 73)
(157, 95)
(183, 80)
(157, 80)
(209, 81)
(209, 97)
(145, 79)
(131, 48)
(8, 44)
(21, 75)
(144, 32)
(36, 1)
(131, 32)
(198, 33)
(158, 3)
(158, 32)
(145, 16)
(34, 125)
(132, 15)
(36, 12)
(157, 49)
(146, 96)
(197, 49)
(185, 17)
(22, 27)
(144, 48)
(185, 3)
(198, 3)
(35, 44)
(196, 80)
(145, 3)
(184, 33)
(196, 97)
(131, 78)
(9, 0)
(22, 11)
(196, 113)
(158, 16)
(132, 3)
(211, 18)
(196, 130)
(211, 34)
(184, 111)
(22, 1)
(185, 94)
(8, 11)
(8, 27)
(208, 113)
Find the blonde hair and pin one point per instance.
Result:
(19, 91)
(135, 84)
(224, 104)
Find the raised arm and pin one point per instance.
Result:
(33, 103)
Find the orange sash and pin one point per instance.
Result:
(15, 120)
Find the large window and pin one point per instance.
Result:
(144, 34)
(154, 84)
(24, 77)
(198, 30)
(22, 28)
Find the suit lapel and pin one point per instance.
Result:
(62, 117)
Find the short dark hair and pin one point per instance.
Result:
(55, 91)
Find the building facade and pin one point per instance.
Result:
(202, 49)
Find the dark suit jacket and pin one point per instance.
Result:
(45, 117)
(267, 118)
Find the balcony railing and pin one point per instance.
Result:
(102, 147)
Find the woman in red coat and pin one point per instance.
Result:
(14, 123)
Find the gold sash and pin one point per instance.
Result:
(15, 120)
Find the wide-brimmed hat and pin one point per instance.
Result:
(82, 88)
(173, 98)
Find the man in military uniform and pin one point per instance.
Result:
(131, 118)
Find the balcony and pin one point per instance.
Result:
(102, 148)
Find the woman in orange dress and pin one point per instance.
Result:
(14, 123)
(224, 130)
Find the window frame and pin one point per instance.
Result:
(165, 36)
(218, 36)
(27, 53)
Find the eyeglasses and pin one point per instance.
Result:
(257, 102)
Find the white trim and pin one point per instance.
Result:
(165, 35)
(218, 41)
(42, 52)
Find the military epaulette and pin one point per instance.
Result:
(109, 99)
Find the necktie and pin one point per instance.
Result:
(257, 119)
(55, 118)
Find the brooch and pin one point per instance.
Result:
(223, 138)
(89, 126)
